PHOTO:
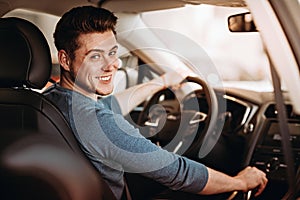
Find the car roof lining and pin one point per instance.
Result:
(127, 6)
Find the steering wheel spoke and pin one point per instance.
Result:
(152, 124)
(198, 117)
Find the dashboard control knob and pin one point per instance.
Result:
(273, 164)
(249, 128)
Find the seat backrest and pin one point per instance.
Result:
(120, 80)
(35, 167)
(25, 65)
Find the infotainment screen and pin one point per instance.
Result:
(273, 136)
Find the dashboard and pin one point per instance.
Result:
(249, 133)
(254, 123)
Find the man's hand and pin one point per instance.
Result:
(174, 78)
(253, 179)
(248, 179)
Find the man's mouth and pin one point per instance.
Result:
(104, 78)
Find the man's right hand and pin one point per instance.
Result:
(253, 179)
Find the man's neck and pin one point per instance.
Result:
(66, 82)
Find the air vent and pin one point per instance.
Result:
(271, 111)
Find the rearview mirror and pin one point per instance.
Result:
(242, 22)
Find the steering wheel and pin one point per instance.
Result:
(165, 121)
(164, 114)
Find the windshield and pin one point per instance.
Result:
(195, 32)
(239, 58)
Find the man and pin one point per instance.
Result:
(87, 53)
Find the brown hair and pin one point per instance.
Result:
(81, 20)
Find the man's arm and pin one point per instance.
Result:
(133, 96)
(247, 179)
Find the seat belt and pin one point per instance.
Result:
(126, 194)
(285, 135)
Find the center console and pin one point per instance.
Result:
(268, 155)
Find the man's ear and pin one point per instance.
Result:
(63, 59)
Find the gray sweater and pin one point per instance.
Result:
(113, 145)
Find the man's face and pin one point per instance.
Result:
(95, 63)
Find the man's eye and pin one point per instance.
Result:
(112, 53)
(96, 56)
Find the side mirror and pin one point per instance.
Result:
(242, 22)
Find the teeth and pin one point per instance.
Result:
(104, 78)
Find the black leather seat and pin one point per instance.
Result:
(35, 167)
(40, 158)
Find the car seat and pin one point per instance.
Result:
(35, 167)
(41, 164)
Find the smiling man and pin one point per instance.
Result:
(93, 67)
(87, 53)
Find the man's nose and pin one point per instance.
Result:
(109, 64)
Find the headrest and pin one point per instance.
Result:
(25, 58)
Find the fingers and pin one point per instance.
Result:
(257, 179)
(173, 78)
(262, 185)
